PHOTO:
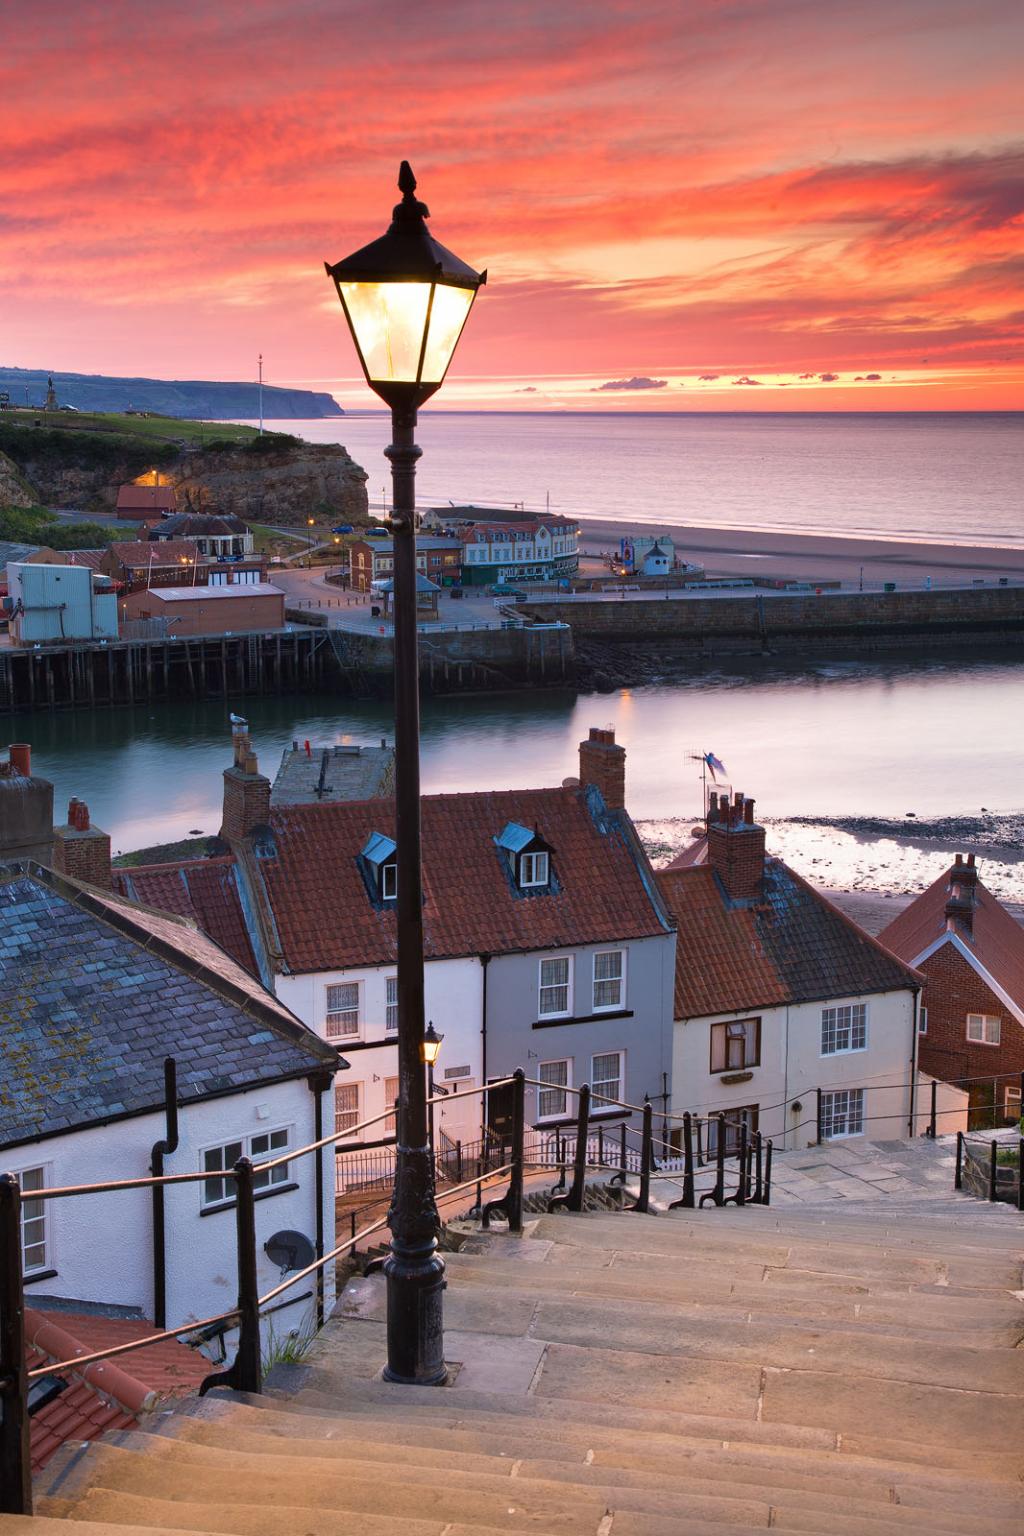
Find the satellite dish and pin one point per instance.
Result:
(289, 1250)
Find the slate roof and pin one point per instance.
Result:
(793, 946)
(110, 1394)
(95, 992)
(603, 887)
(194, 525)
(997, 939)
(203, 890)
(18, 553)
(93, 558)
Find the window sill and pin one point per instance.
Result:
(39, 1274)
(852, 1050)
(261, 1194)
(551, 1021)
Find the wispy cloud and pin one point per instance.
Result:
(636, 382)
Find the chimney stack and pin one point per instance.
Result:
(962, 898)
(82, 850)
(246, 790)
(26, 809)
(736, 846)
(603, 764)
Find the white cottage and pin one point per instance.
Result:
(779, 994)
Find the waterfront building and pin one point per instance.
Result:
(971, 953)
(228, 609)
(174, 562)
(146, 504)
(780, 995)
(373, 560)
(648, 554)
(513, 545)
(98, 993)
(59, 603)
(221, 537)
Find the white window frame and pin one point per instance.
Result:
(985, 1023)
(357, 1112)
(534, 869)
(596, 1097)
(248, 1148)
(391, 1004)
(1012, 1106)
(922, 1021)
(333, 1016)
(391, 1085)
(561, 1089)
(831, 1020)
(542, 987)
(845, 1106)
(42, 1228)
(605, 981)
(389, 882)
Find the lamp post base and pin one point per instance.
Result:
(414, 1271)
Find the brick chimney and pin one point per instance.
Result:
(26, 809)
(603, 764)
(246, 790)
(735, 846)
(82, 850)
(962, 898)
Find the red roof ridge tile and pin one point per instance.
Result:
(105, 1376)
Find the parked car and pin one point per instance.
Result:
(343, 528)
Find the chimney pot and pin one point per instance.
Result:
(736, 848)
(748, 812)
(21, 758)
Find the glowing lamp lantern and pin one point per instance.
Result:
(431, 1047)
(406, 299)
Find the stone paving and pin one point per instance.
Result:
(852, 1170)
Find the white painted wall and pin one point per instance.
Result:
(951, 1104)
(101, 1245)
(454, 1003)
(792, 1068)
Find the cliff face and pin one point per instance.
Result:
(281, 488)
(14, 489)
(198, 398)
(275, 482)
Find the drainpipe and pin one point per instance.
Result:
(911, 1130)
(162, 1149)
(319, 1083)
(485, 961)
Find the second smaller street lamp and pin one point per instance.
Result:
(431, 1047)
(406, 298)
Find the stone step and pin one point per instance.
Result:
(562, 1416)
(368, 1438)
(695, 1474)
(518, 1492)
(987, 1322)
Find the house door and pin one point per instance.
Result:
(499, 1111)
(733, 1120)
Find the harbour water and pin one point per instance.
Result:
(939, 476)
(866, 737)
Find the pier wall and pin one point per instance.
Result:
(792, 620)
(481, 660)
(297, 659)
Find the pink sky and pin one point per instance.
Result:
(748, 190)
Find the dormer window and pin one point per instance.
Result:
(533, 869)
(379, 860)
(527, 857)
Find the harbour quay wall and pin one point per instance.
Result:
(793, 620)
(460, 660)
(88, 675)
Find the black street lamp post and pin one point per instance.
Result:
(406, 299)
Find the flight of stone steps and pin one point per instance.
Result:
(827, 1369)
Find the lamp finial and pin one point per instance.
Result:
(406, 179)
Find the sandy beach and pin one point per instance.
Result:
(807, 556)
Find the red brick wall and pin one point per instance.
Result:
(603, 764)
(82, 855)
(246, 802)
(953, 990)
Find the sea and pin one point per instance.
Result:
(942, 477)
(903, 736)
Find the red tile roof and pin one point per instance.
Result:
(792, 946)
(139, 554)
(694, 853)
(110, 1394)
(147, 498)
(326, 920)
(204, 890)
(93, 558)
(997, 939)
